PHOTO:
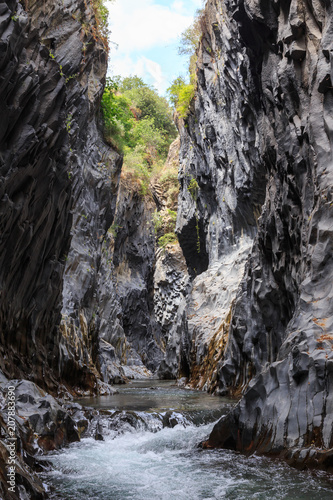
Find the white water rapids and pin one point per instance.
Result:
(149, 462)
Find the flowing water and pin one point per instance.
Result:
(141, 459)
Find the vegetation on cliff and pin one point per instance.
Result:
(101, 14)
(138, 123)
(182, 90)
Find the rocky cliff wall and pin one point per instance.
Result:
(223, 183)
(258, 142)
(77, 248)
(134, 264)
(58, 191)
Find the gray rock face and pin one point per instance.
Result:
(58, 193)
(34, 193)
(134, 263)
(208, 311)
(171, 286)
(258, 142)
(223, 184)
(76, 285)
(170, 280)
(40, 424)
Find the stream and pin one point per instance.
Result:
(143, 459)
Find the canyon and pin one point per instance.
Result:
(242, 305)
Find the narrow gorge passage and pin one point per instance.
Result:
(166, 250)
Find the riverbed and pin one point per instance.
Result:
(150, 452)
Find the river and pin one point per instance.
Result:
(140, 459)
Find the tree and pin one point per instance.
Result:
(152, 105)
(190, 38)
(138, 122)
(117, 115)
(180, 92)
(174, 90)
(131, 82)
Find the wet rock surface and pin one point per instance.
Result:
(43, 424)
(40, 424)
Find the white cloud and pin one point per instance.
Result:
(137, 26)
(178, 6)
(141, 66)
(155, 71)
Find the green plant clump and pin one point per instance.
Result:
(193, 188)
(118, 120)
(181, 95)
(157, 221)
(113, 230)
(164, 221)
(100, 32)
(167, 239)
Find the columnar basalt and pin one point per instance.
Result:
(258, 141)
(58, 189)
(134, 264)
(223, 183)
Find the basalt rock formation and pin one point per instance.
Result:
(134, 263)
(57, 180)
(243, 305)
(63, 318)
(258, 143)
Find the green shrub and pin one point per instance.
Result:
(185, 97)
(134, 161)
(117, 117)
(172, 215)
(157, 221)
(164, 223)
(172, 195)
(167, 239)
(146, 134)
(174, 89)
(113, 230)
(150, 104)
(181, 94)
(169, 176)
(100, 32)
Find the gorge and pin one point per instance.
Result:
(242, 306)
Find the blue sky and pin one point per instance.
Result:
(147, 33)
